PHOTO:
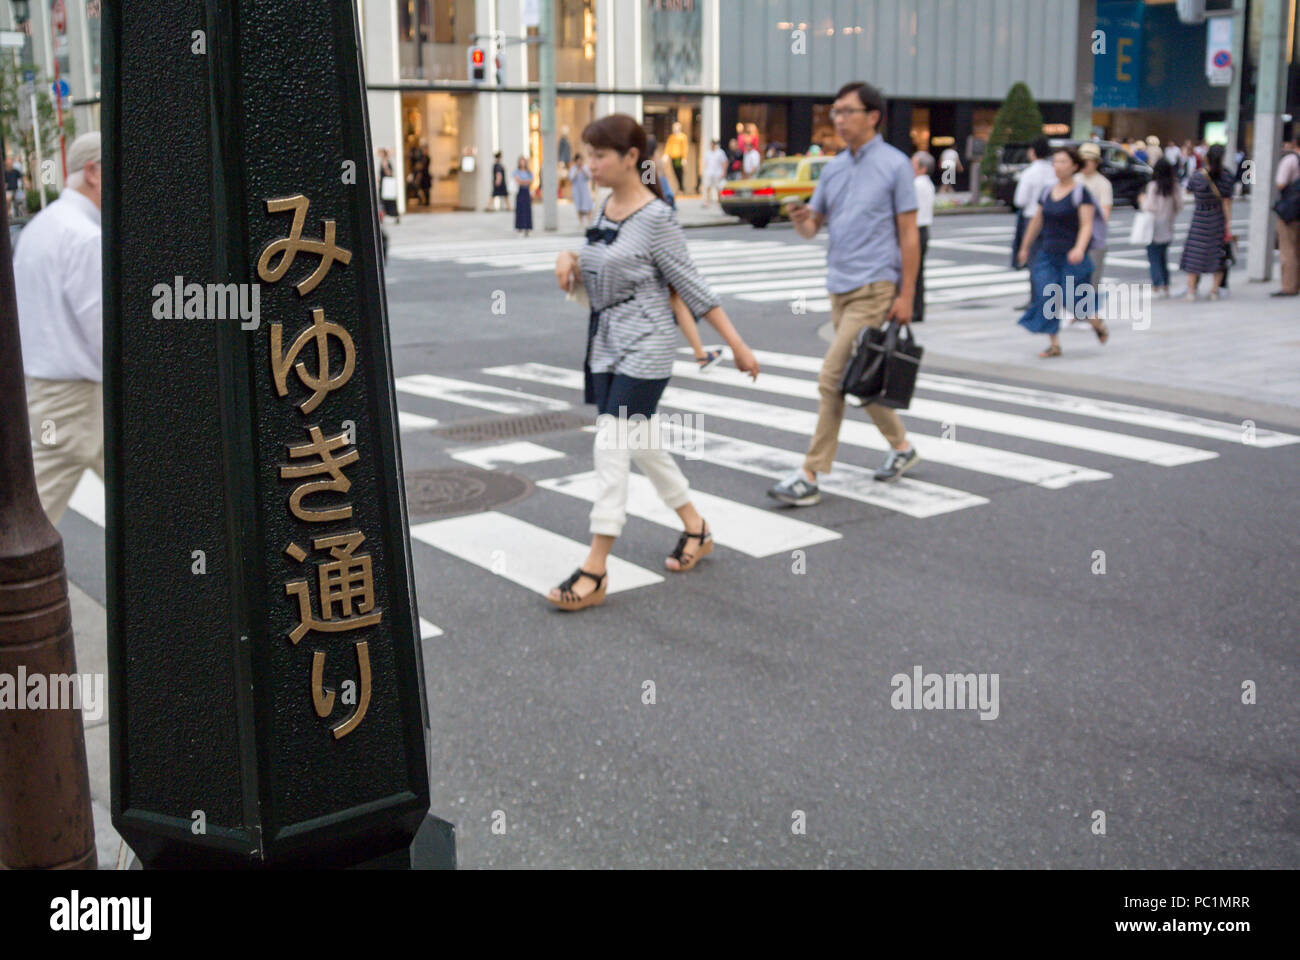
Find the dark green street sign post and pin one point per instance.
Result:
(266, 678)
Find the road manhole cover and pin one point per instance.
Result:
(447, 493)
(512, 427)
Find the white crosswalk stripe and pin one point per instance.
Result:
(755, 532)
(483, 396)
(977, 418)
(522, 552)
(914, 498)
(1051, 474)
(1059, 402)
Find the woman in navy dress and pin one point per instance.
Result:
(1203, 248)
(524, 198)
(1061, 269)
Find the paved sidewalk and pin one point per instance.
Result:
(90, 631)
(1236, 356)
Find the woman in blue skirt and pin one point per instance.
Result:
(1061, 269)
(524, 198)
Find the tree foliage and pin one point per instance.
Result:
(1018, 120)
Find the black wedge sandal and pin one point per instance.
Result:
(705, 536)
(571, 601)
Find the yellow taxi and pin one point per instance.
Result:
(760, 199)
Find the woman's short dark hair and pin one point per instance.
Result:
(868, 96)
(621, 133)
(1073, 154)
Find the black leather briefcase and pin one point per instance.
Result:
(884, 366)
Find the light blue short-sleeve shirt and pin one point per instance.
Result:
(859, 195)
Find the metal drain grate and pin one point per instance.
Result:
(446, 493)
(512, 427)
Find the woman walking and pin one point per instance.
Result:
(523, 198)
(635, 253)
(388, 185)
(1061, 267)
(580, 179)
(1210, 231)
(500, 192)
(1163, 199)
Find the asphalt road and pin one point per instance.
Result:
(771, 664)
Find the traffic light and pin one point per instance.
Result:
(477, 65)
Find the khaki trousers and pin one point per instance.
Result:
(67, 425)
(866, 306)
(1288, 244)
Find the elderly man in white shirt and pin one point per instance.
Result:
(923, 167)
(58, 266)
(1030, 184)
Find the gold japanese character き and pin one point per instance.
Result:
(327, 464)
(322, 697)
(322, 381)
(289, 247)
(347, 588)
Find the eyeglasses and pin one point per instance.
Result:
(601, 234)
(846, 112)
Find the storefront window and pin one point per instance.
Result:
(432, 149)
(771, 121)
(575, 43)
(920, 132)
(433, 37)
(671, 35)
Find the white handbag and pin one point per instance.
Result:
(388, 188)
(1143, 230)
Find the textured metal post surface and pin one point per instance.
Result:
(45, 814)
(214, 709)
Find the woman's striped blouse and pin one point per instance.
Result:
(627, 281)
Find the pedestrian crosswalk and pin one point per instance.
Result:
(794, 272)
(977, 439)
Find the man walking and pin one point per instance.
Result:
(1288, 231)
(57, 270)
(922, 166)
(866, 197)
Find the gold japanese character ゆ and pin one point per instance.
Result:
(323, 380)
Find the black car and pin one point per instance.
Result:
(1128, 177)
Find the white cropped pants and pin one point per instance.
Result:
(619, 443)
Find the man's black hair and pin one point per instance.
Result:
(868, 96)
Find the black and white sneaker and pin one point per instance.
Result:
(710, 360)
(796, 490)
(897, 463)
